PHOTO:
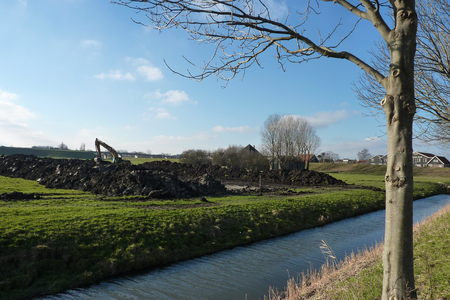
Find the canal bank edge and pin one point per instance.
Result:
(359, 276)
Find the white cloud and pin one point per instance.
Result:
(137, 61)
(150, 73)
(141, 66)
(173, 97)
(7, 96)
(241, 129)
(14, 119)
(325, 118)
(159, 113)
(11, 113)
(115, 75)
(90, 43)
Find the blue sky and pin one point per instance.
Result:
(74, 70)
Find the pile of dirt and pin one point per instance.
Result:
(285, 177)
(161, 179)
(120, 179)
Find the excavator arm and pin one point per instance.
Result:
(98, 143)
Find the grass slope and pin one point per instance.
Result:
(47, 152)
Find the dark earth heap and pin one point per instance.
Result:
(159, 179)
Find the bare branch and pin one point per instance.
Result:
(245, 25)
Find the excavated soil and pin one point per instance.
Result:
(161, 179)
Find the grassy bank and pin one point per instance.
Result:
(55, 153)
(69, 239)
(420, 174)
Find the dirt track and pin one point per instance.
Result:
(161, 179)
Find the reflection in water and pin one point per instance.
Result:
(250, 271)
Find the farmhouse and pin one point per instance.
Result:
(420, 159)
(378, 160)
(309, 158)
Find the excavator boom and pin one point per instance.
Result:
(98, 143)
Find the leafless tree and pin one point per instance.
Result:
(364, 154)
(432, 74)
(311, 143)
(242, 30)
(328, 157)
(83, 147)
(270, 137)
(63, 146)
(288, 138)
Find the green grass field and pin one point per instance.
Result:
(70, 239)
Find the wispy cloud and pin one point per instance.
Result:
(150, 73)
(241, 129)
(136, 62)
(12, 113)
(136, 67)
(115, 75)
(325, 118)
(172, 97)
(90, 43)
(14, 119)
(159, 113)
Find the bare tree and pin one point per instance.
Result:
(63, 146)
(311, 142)
(432, 76)
(288, 138)
(328, 157)
(242, 30)
(270, 137)
(83, 147)
(364, 154)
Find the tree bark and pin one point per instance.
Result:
(399, 106)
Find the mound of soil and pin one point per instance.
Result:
(285, 177)
(161, 179)
(120, 179)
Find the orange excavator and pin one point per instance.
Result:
(98, 143)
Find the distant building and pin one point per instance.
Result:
(348, 161)
(378, 160)
(312, 158)
(420, 159)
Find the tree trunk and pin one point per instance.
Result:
(399, 106)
